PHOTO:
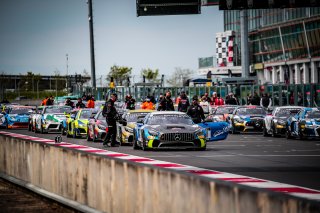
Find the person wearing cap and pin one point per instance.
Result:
(195, 111)
(147, 104)
(110, 112)
(183, 102)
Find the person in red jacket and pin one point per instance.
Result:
(90, 103)
(219, 101)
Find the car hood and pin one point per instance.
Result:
(249, 117)
(55, 117)
(167, 128)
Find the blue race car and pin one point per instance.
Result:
(16, 117)
(247, 118)
(304, 124)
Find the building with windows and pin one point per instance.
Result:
(284, 44)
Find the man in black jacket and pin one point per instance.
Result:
(183, 104)
(111, 114)
(195, 111)
(166, 103)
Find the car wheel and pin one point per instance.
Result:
(135, 144)
(29, 127)
(144, 145)
(41, 128)
(273, 134)
(288, 134)
(233, 131)
(74, 134)
(265, 132)
(88, 135)
(7, 124)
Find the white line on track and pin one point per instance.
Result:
(237, 155)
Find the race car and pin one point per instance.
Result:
(97, 127)
(69, 118)
(220, 113)
(78, 127)
(275, 124)
(51, 118)
(247, 118)
(168, 130)
(125, 133)
(32, 118)
(305, 124)
(16, 117)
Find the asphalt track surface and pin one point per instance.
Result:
(295, 162)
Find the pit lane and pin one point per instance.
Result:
(293, 162)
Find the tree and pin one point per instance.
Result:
(179, 76)
(119, 74)
(150, 75)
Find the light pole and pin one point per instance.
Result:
(67, 57)
(37, 89)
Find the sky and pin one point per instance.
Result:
(36, 35)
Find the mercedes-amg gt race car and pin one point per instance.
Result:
(247, 118)
(125, 133)
(51, 118)
(305, 124)
(275, 124)
(168, 130)
(16, 117)
(97, 127)
(79, 125)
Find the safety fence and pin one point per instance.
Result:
(281, 95)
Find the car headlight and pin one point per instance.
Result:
(238, 120)
(152, 132)
(82, 125)
(128, 129)
(281, 122)
(101, 127)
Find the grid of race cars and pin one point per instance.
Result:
(149, 129)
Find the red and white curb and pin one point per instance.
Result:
(239, 179)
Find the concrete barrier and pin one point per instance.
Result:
(116, 185)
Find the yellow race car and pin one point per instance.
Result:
(78, 126)
(125, 133)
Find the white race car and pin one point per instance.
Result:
(50, 119)
(275, 124)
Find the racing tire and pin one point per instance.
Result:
(144, 145)
(7, 127)
(233, 131)
(288, 134)
(41, 129)
(63, 131)
(29, 127)
(265, 132)
(135, 142)
(274, 133)
(88, 136)
(74, 134)
(301, 136)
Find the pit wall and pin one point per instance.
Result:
(116, 185)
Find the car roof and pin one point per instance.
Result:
(140, 110)
(167, 113)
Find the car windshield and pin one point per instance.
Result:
(313, 114)
(286, 112)
(169, 119)
(251, 111)
(20, 111)
(224, 110)
(134, 117)
(85, 114)
(57, 110)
